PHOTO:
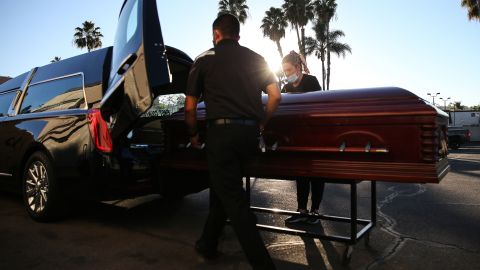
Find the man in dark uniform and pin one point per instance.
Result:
(230, 78)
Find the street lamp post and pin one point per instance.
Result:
(445, 103)
(433, 97)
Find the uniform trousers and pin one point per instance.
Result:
(229, 148)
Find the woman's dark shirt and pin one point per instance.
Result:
(307, 84)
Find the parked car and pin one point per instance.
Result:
(54, 143)
(457, 136)
(110, 123)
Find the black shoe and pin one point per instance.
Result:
(204, 252)
(314, 217)
(302, 217)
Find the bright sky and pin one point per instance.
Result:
(422, 46)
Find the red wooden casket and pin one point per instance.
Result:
(380, 134)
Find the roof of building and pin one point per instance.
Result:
(4, 79)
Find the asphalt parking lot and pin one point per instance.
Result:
(432, 226)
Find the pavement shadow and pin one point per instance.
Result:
(322, 255)
(466, 165)
(157, 212)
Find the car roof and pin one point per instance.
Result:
(91, 64)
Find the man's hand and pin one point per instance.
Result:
(274, 98)
(261, 128)
(195, 142)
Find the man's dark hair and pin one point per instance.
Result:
(227, 24)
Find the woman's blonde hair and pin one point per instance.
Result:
(296, 60)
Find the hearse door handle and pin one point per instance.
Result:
(139, 146)
(126, 63)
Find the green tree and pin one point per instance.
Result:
(458, 105)
(325, 11)
(88, 36)
(336, 47)
(326, 43)
(238, 8)
(299, 13)
(318, 47)
(55, 59)
(273, 26)
(473, 7)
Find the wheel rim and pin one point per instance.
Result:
(36, 186)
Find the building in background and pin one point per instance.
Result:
(466, 119)
(4, 79)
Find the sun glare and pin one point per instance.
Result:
(263, 46)
(273, 61)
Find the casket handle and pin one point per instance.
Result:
(342, 147)
(368, 147)
(189, 146)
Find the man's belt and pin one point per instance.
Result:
(233, 121)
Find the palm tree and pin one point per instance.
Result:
(318, 47)
(273, 26)
(325, 11)
(323, 44)
(56, 59)
(299, 13)
(336, 47)
(473, 7)
(238, 8)
(87, 36)
(457, 105)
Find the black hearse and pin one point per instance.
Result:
(54, 141)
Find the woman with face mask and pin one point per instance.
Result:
(298, 82)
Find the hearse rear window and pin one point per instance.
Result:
(5, 102)
(59, 94)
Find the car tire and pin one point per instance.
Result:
(40, 190)
(455, 145)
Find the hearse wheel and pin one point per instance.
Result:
(455, 145)
(40, 194)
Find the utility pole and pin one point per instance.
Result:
(433, 97)
(445, 103)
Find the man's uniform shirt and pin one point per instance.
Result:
(230, 78)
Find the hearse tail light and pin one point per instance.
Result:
(99, 131)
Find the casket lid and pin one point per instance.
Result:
(354, 102)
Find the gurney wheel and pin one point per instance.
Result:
(347, 254)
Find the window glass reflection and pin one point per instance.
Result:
(61, 94)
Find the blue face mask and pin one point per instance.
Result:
(292, 78)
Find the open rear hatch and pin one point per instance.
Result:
(139, 70)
